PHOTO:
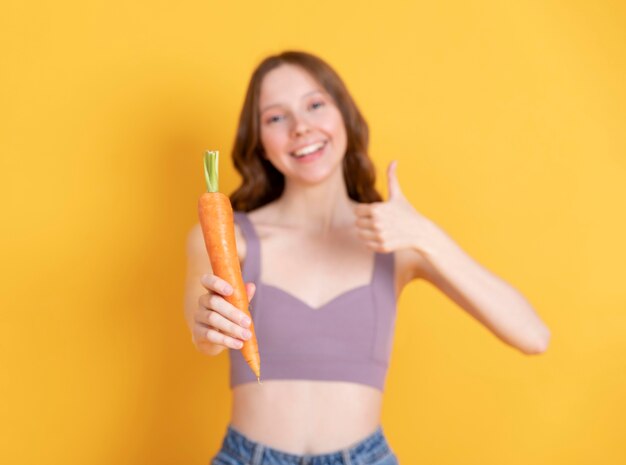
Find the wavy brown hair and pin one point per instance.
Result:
(262, 182)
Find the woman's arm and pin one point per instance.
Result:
(198, 265)
(488, 298)
(397, 225)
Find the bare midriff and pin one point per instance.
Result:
(306, 417)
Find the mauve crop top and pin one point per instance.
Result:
(347, 339)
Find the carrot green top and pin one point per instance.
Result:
(210, 170)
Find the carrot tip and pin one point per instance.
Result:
(258, 379)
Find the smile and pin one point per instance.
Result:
(309, 149)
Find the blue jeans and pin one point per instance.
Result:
(238, 449)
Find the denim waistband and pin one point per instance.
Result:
(366, 451)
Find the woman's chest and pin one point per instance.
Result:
(315, 270)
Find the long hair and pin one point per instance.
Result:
(262, 183)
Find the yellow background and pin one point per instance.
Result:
(508, 121)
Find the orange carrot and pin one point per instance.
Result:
(216, 219)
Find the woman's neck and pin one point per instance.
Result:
(318, 208)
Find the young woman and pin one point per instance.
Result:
(324, 259)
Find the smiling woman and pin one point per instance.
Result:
(325, 342)
(324, 259)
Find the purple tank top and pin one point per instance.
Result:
(347, 339)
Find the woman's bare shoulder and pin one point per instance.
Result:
(263, 218)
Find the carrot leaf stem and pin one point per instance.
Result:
(211, 159)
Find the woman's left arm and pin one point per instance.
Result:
(395, 224)
(485, 296)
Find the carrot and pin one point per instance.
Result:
(217, 222)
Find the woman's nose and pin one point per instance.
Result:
(300, 126)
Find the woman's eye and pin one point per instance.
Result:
(316, 105)
(274, 119)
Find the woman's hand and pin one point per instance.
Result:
(218, 324)
(394, 224)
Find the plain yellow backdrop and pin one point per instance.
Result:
(508, 122)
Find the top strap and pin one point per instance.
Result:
(383, 281)
(252, 263)
(383, 273)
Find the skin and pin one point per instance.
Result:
(313, 222)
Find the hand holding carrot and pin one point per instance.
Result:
(218, 324)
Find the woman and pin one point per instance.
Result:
(327, 259)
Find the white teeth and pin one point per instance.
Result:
(309, 149)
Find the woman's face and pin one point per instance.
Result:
(302, 130)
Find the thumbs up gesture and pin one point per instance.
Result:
(394, 224)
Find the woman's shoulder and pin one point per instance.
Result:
(259, 220)
(262, 217)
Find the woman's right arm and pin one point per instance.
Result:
(214, 323)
